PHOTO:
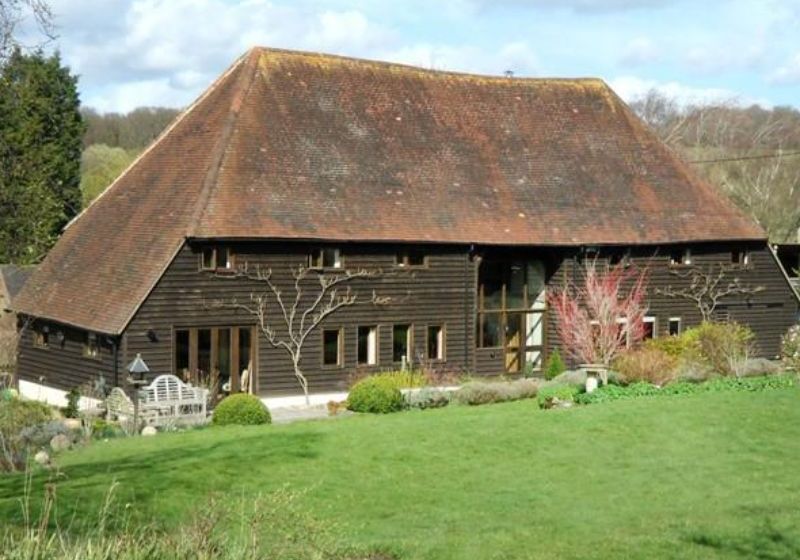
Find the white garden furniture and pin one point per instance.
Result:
(167, 400)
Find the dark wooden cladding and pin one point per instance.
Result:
(441, 293)
(434, 294)
(62, 364)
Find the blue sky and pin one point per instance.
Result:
(165, 52)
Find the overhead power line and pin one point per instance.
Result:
(745, 158)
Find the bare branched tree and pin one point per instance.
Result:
(16, 13)
(707, 286)
(299, 315)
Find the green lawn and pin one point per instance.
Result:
(705, 476)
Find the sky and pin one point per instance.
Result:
(130, 53)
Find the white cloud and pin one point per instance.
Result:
(789, 73)
(638, 51)
(631, 88)
(516, 56)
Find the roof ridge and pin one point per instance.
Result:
(403, 66)
(164, 133)
(223, 143)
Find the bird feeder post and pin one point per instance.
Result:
(137, 367)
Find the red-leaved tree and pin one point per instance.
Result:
(603, 313)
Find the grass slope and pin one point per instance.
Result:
(707, 476)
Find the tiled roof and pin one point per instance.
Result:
(308, 146)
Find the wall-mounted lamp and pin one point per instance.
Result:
(152, 336)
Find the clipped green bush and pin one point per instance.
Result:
(555, 365)
(377, 394)
(242, 409)
(486, 392)
(427, 397)
(72, 409)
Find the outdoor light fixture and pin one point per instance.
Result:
(152, 336)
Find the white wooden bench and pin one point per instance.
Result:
(167, 400)
(170, 399)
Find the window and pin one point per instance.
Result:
(490, 330)
(740, 257)
(367, 346)
(327, 257)
(436, 342)
(623, 323)
(216, 355)
(411, 257)
(182, 353)
(216, 258)
(623, 258)
(90, 347)
(332, 347)
(41, 338)
(649, 328)
(401, 343)
(680, 257)
(674, 326)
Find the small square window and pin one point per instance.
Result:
(328, 257)
(216, 258)
(681, 257)
(741, 258)
(332, 347)
(401, 343)
(368, 345)
(41, 338)
(435, 342)
(674, 326)
(91, 347)
(411, 257)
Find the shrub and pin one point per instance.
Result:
(243, 409)
(790, 348)
(73, 398)
(555, 365)
(427, 397)
(720, 384)
(16, 416)
(725, 346)
(378, 394)
(485, 392)
(682, 346)
(646, 364)
(554, 394)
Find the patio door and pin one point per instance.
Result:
(222, 355)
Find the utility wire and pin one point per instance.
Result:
(745, 158)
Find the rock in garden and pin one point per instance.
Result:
(42, 458)
(72, 423)
(149, 431)
(60, 442)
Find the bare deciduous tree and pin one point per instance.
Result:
(707, 286)
(299, 318)
(15, 13)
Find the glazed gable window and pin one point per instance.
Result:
(91, 348)
(41, 338)
(680, 257)
(411, 257)
(326, 257)
(216, 258)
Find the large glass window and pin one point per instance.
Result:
(215, 355)
(435, 342)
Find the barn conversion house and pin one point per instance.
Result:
(463, 197)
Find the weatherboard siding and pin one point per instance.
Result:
(442, 293)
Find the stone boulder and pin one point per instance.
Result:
(60, 442)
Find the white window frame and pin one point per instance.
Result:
(669, 326)
(654, 321)
(372, 345)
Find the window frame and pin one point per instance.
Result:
(316, 259)
(377, 351)
(654, 330)
(441, 344)
(670, 322)
(91, 346)
(339, 348)
(402, 258)
(409, 343)
(741, 257)
(230, 263)
(685, 257)
(41, 338)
